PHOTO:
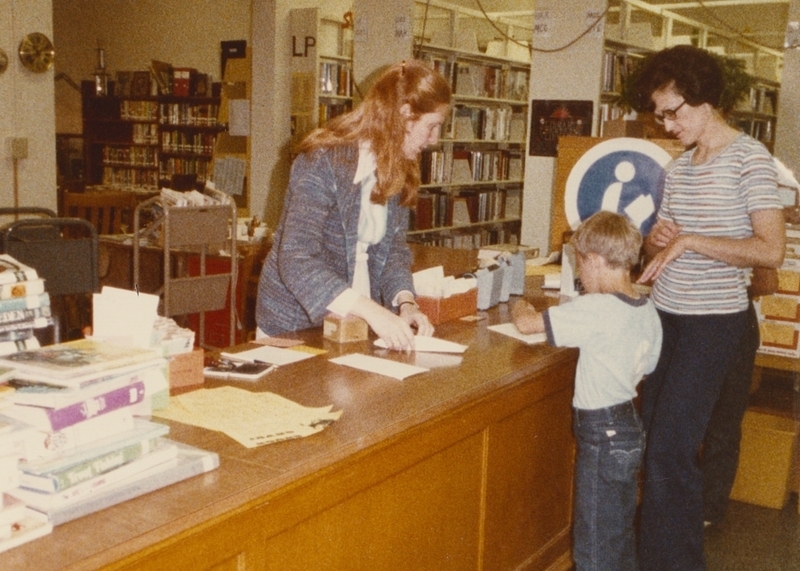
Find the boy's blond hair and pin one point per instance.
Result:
(611, 236)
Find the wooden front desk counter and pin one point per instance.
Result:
(467, 466)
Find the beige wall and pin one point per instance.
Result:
(572, 73)
(26, 109)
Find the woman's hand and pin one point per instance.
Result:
(393, 329)
(660, 261)
(411, 314)
(662, 233)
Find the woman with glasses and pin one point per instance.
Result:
(720, 215)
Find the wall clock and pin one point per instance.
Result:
(36, 52)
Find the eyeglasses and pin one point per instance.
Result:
(670, 114)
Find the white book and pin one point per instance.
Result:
(32, 526)
(190, 462)
(45, 502)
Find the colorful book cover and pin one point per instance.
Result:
(13, 271)
(55, 419)
(70, 362)
(36, 392)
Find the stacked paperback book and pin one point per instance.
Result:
(75, 434)
(24, 305)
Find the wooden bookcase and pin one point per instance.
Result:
(471, 194)
(147, 141)
(321, 68)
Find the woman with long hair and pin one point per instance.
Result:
(340, 245)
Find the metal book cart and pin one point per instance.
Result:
(189, 234)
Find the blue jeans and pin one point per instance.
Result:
(677, 401)
(610, 448)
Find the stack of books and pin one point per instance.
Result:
(24, 305)
(78, 426)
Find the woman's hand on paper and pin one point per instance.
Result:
(412, 315)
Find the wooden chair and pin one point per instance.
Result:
(109, 212)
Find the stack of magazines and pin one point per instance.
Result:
(78, 429)
(24, 305)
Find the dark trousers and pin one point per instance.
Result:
(720, 456)
(677, 401)
(610, 448)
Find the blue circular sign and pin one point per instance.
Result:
(623, 175)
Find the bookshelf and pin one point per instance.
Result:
(635, 29)
(145, 141)
(471, 193)
(321, 70)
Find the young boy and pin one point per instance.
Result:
(618, 333)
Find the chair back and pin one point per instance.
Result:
(109, 212)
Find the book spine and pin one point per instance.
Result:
(27, 302)
(96, 406)
(43, 502)
(25, 324)
(161, 476)
(24, 314)
(40, 444)
(21, 289)
(12, 271)
(59, 480)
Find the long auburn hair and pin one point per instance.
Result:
(378, 120)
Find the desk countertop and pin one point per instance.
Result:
(377, 411)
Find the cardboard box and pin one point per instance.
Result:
(345, 329)
(186, 370)
(441, 309)
(779, 308)
(779, 338)
(765, 460)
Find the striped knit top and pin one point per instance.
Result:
(713, 199)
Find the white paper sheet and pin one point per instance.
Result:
(117, 312)
(511, 330)
(268, 354)
(423, 343)
(378, 366)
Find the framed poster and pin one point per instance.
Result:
(551, 119)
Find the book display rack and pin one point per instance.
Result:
(635, 29)
(472, 182)
(322, 82)
(144, 141)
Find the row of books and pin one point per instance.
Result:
(496, 81)
(24, 305)
(330, 110)
(472, 239)
(463, 166)
(130, 177)
(442, 209)
(195, 114)
(76, 438)
(183, 142)
(130, 156)
(335, 79)
(138, 110)
(144, 133)
(186, 165)
(485, 123)
(617, 66)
